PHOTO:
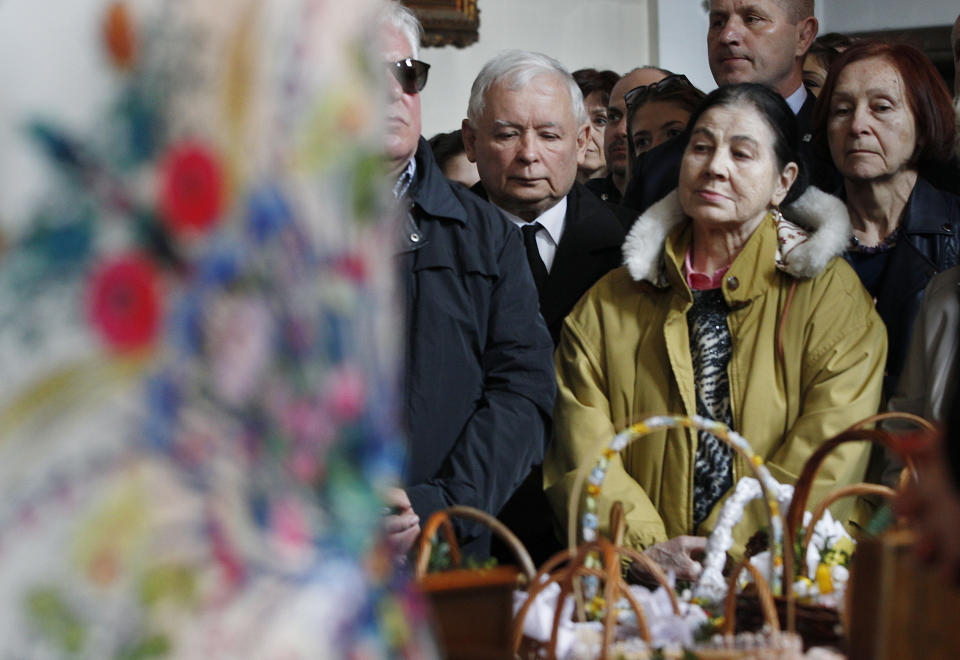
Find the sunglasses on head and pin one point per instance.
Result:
(639, 94)
(410, 73)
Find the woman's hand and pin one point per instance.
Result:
(402, 524)
(679, 555)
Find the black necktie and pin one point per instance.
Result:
(533, 254)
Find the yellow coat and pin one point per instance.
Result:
(624, 354)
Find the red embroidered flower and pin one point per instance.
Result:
(125, 304)
(352, 266)
(191, 188)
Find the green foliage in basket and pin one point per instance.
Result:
(440, 560)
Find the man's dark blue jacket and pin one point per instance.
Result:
(479, 378)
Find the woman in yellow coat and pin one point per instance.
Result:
(727, 309)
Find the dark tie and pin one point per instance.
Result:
(533, 254)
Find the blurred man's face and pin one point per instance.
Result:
(615, 135)
(526, 144)
(755, 41)
(402, 130)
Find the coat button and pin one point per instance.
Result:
(415, 237)
(947, 227)
(733, 283)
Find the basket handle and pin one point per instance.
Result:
(537, 584)
(801, 494)
(566, 577)
(659, 423)
(924, 425)
(763, 591)
(618, 523)
(442, 518)
(846, 491)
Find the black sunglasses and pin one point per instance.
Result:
(639, 94)
(410, 73)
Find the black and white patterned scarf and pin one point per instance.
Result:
(710, 349)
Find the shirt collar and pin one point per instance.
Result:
(795, 100)
(701, 281)
(553, 220)
(402, 185)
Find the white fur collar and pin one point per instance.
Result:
(815, 230)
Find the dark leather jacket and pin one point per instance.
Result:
(928, 244)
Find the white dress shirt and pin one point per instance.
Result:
(797, 99)
(553, 220)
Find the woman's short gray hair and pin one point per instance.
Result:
(395, 15)
(516, 68)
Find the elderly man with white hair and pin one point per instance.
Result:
(526, 128)
(479, 384)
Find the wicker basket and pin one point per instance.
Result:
(819, 625)
(568, 567)
(472, 609)
(612, 553)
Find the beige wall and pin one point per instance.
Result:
(610, 34)
(857, 15)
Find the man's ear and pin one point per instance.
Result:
(806, 32)
(469, 140)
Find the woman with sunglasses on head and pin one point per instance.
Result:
(725, 308)
(657, 113)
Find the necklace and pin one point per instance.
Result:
(888, 242)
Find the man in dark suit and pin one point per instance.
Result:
(761, 41)
(526, 127)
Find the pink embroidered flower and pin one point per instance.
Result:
(238, 340)
(191, 188)
(353, 267)
(289, 522)
(125, 303)
(346, 394)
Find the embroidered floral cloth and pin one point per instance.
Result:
(197, 341)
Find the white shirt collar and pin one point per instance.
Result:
(797, 99)
(554, 219)
(402, 185)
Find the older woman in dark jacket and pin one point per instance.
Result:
(887, 119)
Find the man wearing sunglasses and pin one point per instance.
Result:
(479, 383)
(759, 41)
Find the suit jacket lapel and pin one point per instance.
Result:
(591, 232)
